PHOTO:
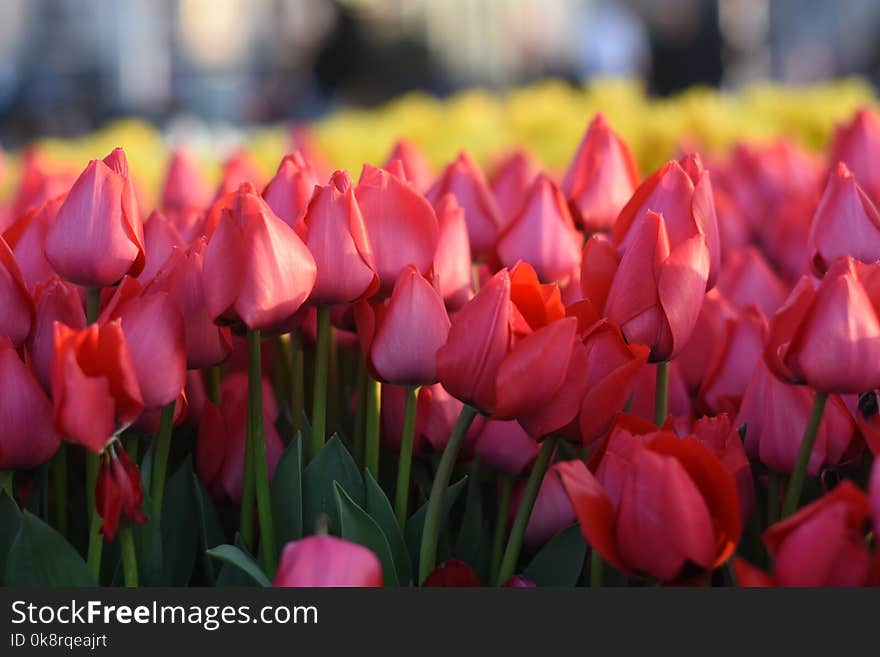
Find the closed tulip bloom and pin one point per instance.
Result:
(402, 225)
(95, 391)
(846, 223)
(452, 259)
(658, 289)
(552, 511)
(416, 167)
(118, 492)
(55, 301)
(505, 446)
(599, 263)
(857, 145)
(665, 508)
(452, 573)
(289, 192)
(160, 238)
(732, 362)
(400, 337)
(27, 239)
(784, 239)
(829, 337)
(681, 192)
(511, 181)
(240, 167)
(17, 318)
(823, 544)
(153, 328)
(257, 271)
(327, 561)
(601, 178)
(542, 234)
(97, 236)
(27, 437)
(220, 443)
(38, 183)
(181, 279)
(464, 179)
(776, 414)
(710, 327)
(186, 186)
(746, 278)
(337, 238)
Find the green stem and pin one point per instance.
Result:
(257, 439)
(661, 394)
(401, 499)
(796, 483)
(360, 412)
(434, 512)
(160, 459)
(93, 304)
(597, 568)
(59, 481)
(6, 482)
(524, 511)
(132, 446)
(212, 383)
(773, 488)
(129, 557)
(371, 429)
(297, 382)
(500, 531)
(96, 544)
(322, 362)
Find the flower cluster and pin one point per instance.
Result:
(450, 377)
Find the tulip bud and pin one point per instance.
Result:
(289, 192)
(327, 561)
(55, 301)
(118, 492)
(452, 573)
(506, 447)
(857, 145)
(552, 511)
(452, 259)
(97, 236)
(160, 238)
(27, 239)
(17, 317)
(416, 167)
(511, 181)
(186, 186)
(747, 279)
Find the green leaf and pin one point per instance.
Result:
(180, 526)
(234, 556)
(358, 527)
(287, 502)
(561, 561)
(148, 547)
(472, 545)
(416, 523)
(40, 556)
(10, 523)
(210, 528)
(333, 463)
(380, 510)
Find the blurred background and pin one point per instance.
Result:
(69, 66)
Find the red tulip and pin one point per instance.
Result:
(256, 269)
(711, 325)
(542, 234)
(153, 328)
(241, 167)
(452, 259)
(220, 444)
(857, 145)
(327, 561)
(416, 167)
(601, 178)
(97, 236)
(289, 192)
(658, 288)
(27, 239)
(186, 186)
(94, 387)
(511, 181)
(829, 337)
(734, 229)
(784, 239)
(452, 573)
(682, 193)
(599, 263)
(27, 437)
(846, 223)
(658, 505)
(874, 493)
(401, 224)
(823, 544)
(337, 238)
(400, 337)
(160, 239)
(506, 447)
(464, 179)
(55, 301)
(118, 492)
(732, 362)
(17, 317)
(775, 415)
(552, 511)
(38, 183)
(746, 279)
(181, 279)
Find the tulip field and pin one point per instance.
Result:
(560, 337)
